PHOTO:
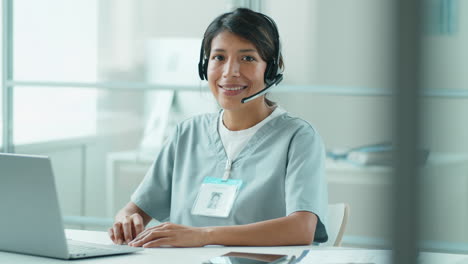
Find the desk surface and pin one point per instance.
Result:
(191, 255)
(153, 256)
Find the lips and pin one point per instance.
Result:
(232, 89)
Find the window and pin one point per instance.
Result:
(50, 114)
(54, 44)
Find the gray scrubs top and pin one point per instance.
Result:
(282, 169)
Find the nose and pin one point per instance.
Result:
(231, 69)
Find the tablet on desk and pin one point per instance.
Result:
(247, 258)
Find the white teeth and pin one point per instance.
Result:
(234, 89)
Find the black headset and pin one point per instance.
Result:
(273, 73)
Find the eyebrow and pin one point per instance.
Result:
(242, 50)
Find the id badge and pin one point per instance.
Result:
(216, 197)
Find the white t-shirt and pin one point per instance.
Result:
(235, 141)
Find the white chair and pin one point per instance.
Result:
(337, 219)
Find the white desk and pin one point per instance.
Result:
(153, 256)
(193, 255)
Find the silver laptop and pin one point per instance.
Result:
(31, 221)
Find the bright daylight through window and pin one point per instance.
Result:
(58, 48)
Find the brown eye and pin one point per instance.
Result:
(248, 58)
(218, 57)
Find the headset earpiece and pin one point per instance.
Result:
(205, 69)
(202, 63)
(271, 74)
(200, 70)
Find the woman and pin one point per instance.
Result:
(267, 166)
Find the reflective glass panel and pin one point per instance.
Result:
(346, 44)
(43, 114)
(95, 41)
(55, 40)
(333, 50)
(444, 178)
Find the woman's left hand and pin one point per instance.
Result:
(169, 234)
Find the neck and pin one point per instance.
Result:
(246, 117)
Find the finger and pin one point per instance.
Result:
(139, 241)
(127, 229)
(143, 234)
(110, 231)
(166, 241)
(133, 232)
(138, 224)
(148, 231)
(118, 233)
(150, 237)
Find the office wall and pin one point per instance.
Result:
(445, 53)
(444, 126)
(445, 64)
(351, 45)
(355, 43)
(297, 24)
(346, 44)
(342, 121)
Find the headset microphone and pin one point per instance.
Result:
(262, 92)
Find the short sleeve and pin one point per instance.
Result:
(305, 183)
(153, 195)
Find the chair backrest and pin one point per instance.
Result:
(337, 219)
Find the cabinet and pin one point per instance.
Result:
(369, 191)
(125, 171)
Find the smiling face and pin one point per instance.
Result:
(235, 71)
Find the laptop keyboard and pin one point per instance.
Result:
(78, 249)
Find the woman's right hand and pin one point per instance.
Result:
(126, 228)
